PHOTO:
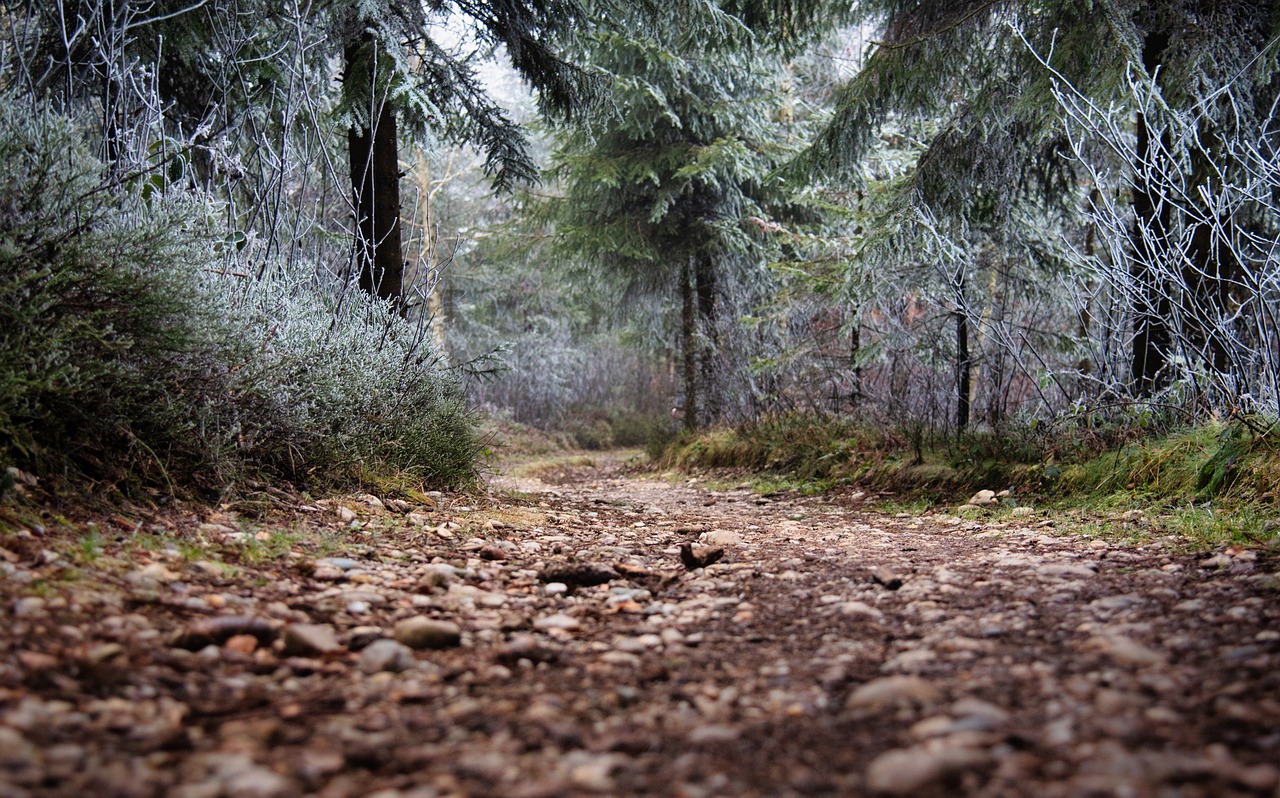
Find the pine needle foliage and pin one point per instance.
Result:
(667, 192)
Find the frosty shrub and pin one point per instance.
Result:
(336, 380)
(131, 351)
(98, 334)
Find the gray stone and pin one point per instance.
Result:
(308, 639)
(420, 632)
(893, 690)
(557, 621)
(721, 537)
(257, 782)
(385, 655)
(905, 771)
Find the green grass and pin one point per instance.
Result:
(1208, 485)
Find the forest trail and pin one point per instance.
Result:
(554, 643)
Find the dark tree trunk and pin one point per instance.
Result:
(689, 343)
(375, 186)
(964, 361)
(705, 282)
(1152, 307)
(855, 357)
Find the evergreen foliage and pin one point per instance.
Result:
(668, 193)
(980, 83)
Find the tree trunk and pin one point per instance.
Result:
(705, 282)
(855, 357)
(1152, 307)
(964, 361)
(689, 342)
(375, 186)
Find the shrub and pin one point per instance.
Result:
(130, 352)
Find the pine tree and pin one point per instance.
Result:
(987, 72)
(658, 192)
(395, 70)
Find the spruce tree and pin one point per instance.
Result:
(659, 192)
(986, 72)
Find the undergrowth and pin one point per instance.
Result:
(1212, 481)
(139, 353)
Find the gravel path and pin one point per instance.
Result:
(554, 642)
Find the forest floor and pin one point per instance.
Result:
(552, 641)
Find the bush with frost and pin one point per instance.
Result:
(134, 351)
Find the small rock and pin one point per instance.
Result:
(341, 563)
(860, 608)
(983, 498)
(712, 734)
(905, 771)
(104, 653)
(555, 588)
(308, 639)
(257, 782)
(15, 751)
(385, 655)
(893, 690)
(345, 514)
(241, 644)
(28, 607)
(1022, 512)
(1126, 651)
(328, 573)
(420, 632)
(557, 621)
(720, 537)
(885, 576)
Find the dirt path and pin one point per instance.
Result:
(1010, 661)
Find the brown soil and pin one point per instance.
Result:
(834, 650)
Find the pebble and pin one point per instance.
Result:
(720, 537)
(1125, 650)
(341, 563)
(420, 632)
(308, 640)
(557, 621)
(385, 655)
(893, 690)
(905, 771)
(28, 607)
(258, 782)
(860, 608)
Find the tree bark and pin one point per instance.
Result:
(705, 282)
(689, 343)
(375, 186)
(1152, 307)
(964, 360)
